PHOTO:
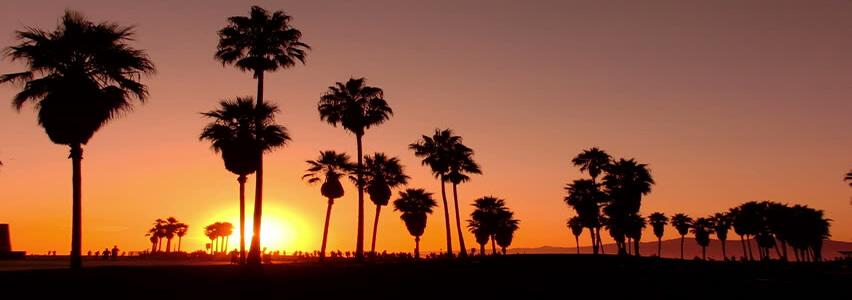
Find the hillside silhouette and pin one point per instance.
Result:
(691, 249)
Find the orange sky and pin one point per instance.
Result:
(727, 102)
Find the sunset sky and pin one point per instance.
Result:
(726, 101)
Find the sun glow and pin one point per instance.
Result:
(279, 231)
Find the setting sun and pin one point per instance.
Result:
(279, 231)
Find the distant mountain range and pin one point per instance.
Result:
(671, 249)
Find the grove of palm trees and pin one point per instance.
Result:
(84, 74)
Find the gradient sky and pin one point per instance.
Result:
(726, 101)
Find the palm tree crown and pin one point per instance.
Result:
(261, 42)
(354, 105)
(593, 160)
(329, 167)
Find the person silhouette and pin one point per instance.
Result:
(114, 252)
(106, 253)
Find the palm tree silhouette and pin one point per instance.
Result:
(232, 134)
(328, 168)
(213, 232)
(436, 152)
(382, 173)
(658, 222)
(460, 164)
(633, 231)
(721, 224)
(479, 233)
(357, 107)
(488, 213)
(702, 228)
(225, 231)
(594, 161)
(157, 233)
(682, 223)
(506, 227)
(811, 228)
(80, 76)
(414, 204)
(585, 197)
(626, 181)
(576, 225)
(749, 221)
(235, 133)
(181, 232)
(260, 43)
(171, 226)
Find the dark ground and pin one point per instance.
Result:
(534, 276)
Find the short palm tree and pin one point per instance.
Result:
(233, 134)
(80, 76)
(633, 231)
(414, 204)
(479, 233)
(181, 232)
(506, 227)
(436, 151)
(702, 228)
(382, 173)
(721, 224)
(461, 163)
(585, 197)
(357, 107)
(576, 226)
(488, 213)
(658, 222)
(682, 223)
(328, 168)
(259, 43)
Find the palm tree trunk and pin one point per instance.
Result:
(636, 248)
(254, 252)
(598, 241)
(703, 253)
(577, 240)
(659, 246)
(325, 229)
(180, 238)
(750, 254)
(463, 250)
(168, 245)
(227, 241)
(482, 249)
(784, 249)
(724, 251)
(681, 247)
(76, 207)
(375, 229)
(594, 241)
(416, 247)
(446, 218)
(242, 181)
(493, 246)
(359, 244)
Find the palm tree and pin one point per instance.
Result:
(225, 230)
(382, 173)
(682, 223)
(80, 76)
(626, 181)
(702, 228)
(658, 222)
(232, 134)
(635, 224)
(479, 233)
(260, 43)
(585, 197)
(460, 164)
(506, 227)
(721, 224)
(357, 107)
(594, 161)
(181, 232)
(576, 226)
(171, 226)
(749, 220)
(329, 167)
(212, 231)
(414, 204)
(436, 152)
(488, 213)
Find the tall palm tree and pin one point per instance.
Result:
(488, 213)
(750, 221)
(259, 43)
(232, 134)
(436, 152)
(626, 181)
(80, 76)
(211, 231)
(460, 164)
(357, 107)
(576, 225)
(721, 224)
(739, 228)
(585, 197)
(382, 173)
(414, 204)
(702, 228)
(594, 161)
(682, 223)
(171, 228)
(225, 230)
(328, 168)
(506, 227)
(658, 222)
